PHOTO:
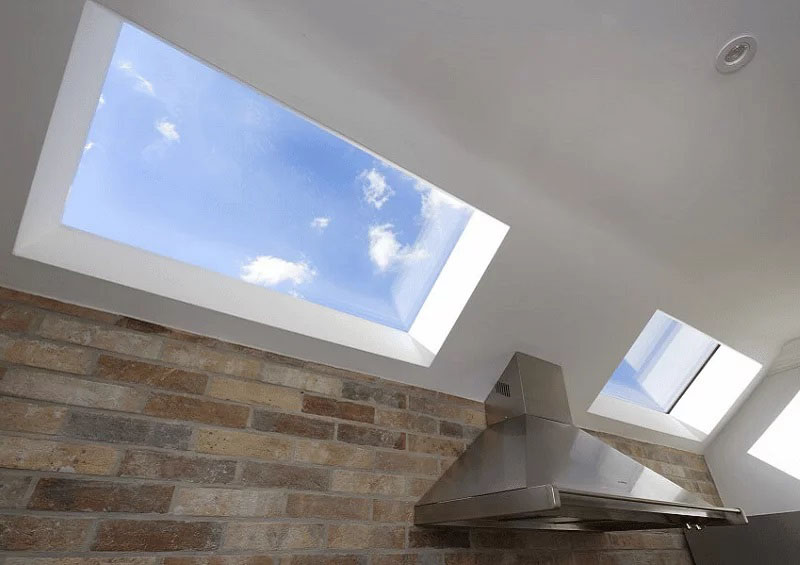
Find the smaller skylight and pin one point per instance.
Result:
(777, 446)
(661, 364)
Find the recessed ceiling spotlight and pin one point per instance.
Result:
(736, 53)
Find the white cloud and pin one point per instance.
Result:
(142, 84)
(88, 146)
(386, 252)
(320, 223)
(101, 101)
(376, 190)
(167, 130)
(270, 271)
(433, 199)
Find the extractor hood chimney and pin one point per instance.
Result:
(531, 468)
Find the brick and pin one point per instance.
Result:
(400, 559)
(376, 394)
(406, 463)
(45, 355)
(403, 420)
(451, 429)
(448, 411)
(70, 390)
(71, 495)
(82, 561)
(245, 444)
(20, 416)
(13, 490)
(14, 318)
(360, 536)
(377, 437)
(30, 533)
(258, 536)
(157, 376)
(435, 446)
(329, 559)
(367, 483)
(197, 410)
(296, 377)
(445, 538)
(276, 475)
(392, 511)
(121, 429)
(417, 487)
(206, 359)
(43, 455)
(56, 306)
(292, 424)
(327, 507)
(338, 409)
(197, 501)
(100, 337)
(158, 329)
(335, 455)
(222, 560)
(158, 465)
(157, 535)
(256, 393)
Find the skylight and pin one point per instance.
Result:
(186, 162)
(676, 379)
(660, 364)
(162, 173)
(777, 446)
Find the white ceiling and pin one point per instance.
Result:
(633, 176)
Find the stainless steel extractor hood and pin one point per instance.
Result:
(531, 468)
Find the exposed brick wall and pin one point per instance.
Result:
(126, 443)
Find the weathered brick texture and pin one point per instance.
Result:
(123, 442)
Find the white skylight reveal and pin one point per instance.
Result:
(162, 173)
(661, 363)
(777, 446)
(676, 379)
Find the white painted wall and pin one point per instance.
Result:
(743, 480)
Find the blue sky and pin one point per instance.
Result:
(186, 162)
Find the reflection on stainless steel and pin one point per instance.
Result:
(532, 469)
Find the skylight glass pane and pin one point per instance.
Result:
(778, 445)
(716, 389)
(661, 363)
(183, 161)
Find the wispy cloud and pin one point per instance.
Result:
(320, 223)
(142, 84)
(167, 130)
(376, 190)
(386, 252)
(434, 199)
(270, 271)
(88, 145)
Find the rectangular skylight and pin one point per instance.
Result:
(777, 446)
(660, 364)
(676, 379)
(163, 173)
(184, 161)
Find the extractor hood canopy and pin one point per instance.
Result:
(531, 468)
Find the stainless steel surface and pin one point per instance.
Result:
(769, 538)
(530, 471)
(534, 387)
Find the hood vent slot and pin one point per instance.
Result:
(502, 388)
